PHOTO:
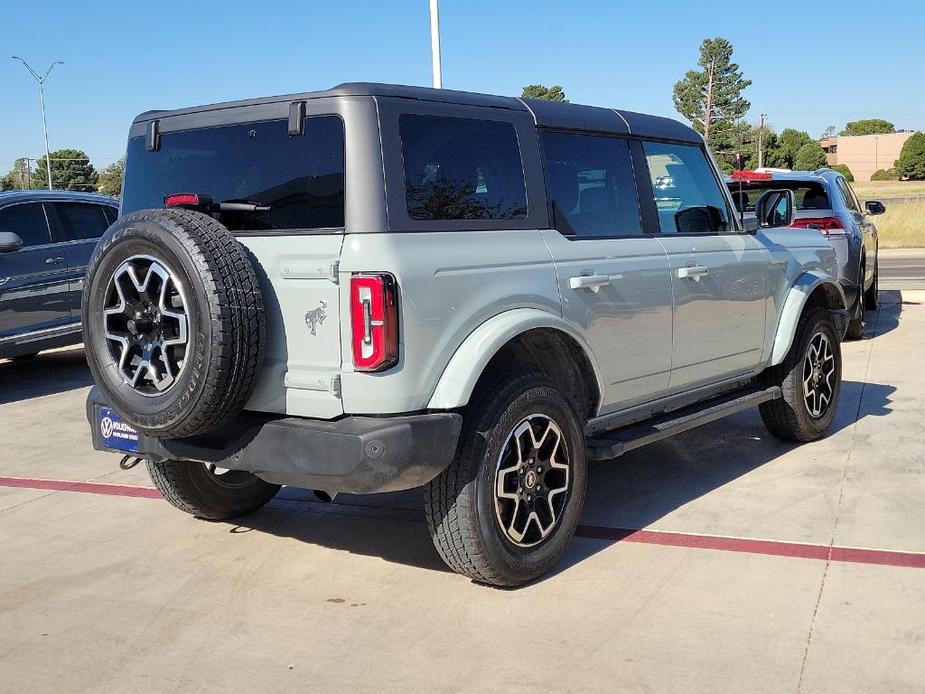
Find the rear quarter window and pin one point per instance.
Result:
(299, 178)
(461, 169)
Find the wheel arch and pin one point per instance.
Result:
(516, 337)
(812, 288)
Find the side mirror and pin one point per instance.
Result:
(874, 207)
(774, 209)
(9, 242)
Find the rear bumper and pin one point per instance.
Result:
(359, 455)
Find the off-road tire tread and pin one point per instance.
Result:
(235, 307)
(779, 416)
(447, 507)
(185, 485)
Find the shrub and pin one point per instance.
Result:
(911, 162)
(844, 171)
(885, 175)
(809, 157)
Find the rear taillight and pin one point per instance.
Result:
(374, 319)
(827, 225)
(190, 200)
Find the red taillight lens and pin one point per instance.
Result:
(827, 225)
(182, 200)
(374, 319)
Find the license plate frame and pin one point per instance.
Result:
(114, 433)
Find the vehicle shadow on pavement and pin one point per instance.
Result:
(48, 373)
(630, 492)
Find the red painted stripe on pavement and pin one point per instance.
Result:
(83, 487)
(772, 548)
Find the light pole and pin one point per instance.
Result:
(435, 43)
(41, 81)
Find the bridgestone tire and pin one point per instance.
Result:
(225, 318)
(789, 418)
(195, 489)
(460, 502)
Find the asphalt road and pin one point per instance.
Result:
(902, 268)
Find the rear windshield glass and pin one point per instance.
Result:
(460, 168)
(806, 195)
(299, 178)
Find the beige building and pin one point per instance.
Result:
(864, 154)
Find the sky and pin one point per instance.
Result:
(812, 64)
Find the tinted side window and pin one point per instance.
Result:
(591, 185)
(847, 196)
(111, 213)
(300, 179)
(460, 168)
(26, 220)
(686, 192)
(79, 220)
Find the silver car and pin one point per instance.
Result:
(826, 202)
(380, 287)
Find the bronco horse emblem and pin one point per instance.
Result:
(316, 316)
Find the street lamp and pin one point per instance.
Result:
(435, 44)
(41, 81)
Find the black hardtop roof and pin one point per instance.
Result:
(549, 114)
(40, 194)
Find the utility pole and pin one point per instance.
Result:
(435, 43)
(41, 82)
(761, 141)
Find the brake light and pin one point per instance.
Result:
(374, 319)
(187, 200)
(751, 176)
(827, 225)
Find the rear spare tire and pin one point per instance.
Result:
(173, 322)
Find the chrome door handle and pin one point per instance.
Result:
(694, 272)
(592, 282)
(54, 260)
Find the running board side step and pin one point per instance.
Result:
(615, 443)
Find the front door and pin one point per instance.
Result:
(613, 279)
(721, 278)
(33, 280)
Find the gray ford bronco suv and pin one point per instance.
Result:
(378, 287)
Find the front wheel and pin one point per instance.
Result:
(503, 512)
(809, 379)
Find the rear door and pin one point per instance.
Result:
(613, 278)
(33, 280)
(76, 227)
(719, 275)
(295, 176)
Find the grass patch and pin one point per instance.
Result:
(902, 225)
(877, 190)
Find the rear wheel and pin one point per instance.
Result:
(855, 329)
(503, 512)
(209, 492)
(809, 379)
(871, 296)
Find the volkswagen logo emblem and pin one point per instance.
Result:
(106, 427)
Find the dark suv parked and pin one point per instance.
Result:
(46, 239)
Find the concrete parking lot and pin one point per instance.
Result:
(718, 561)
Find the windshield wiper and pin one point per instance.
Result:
(242, 206)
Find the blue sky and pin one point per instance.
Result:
(812, 63)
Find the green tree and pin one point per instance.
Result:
(868, 126)
(844, 171)
(789, 142)
(829, 132)
(110, 178)
(541, 91)
(911, 162)
(18, 178)
(711, 97)
(70, 170)
(810, 157)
